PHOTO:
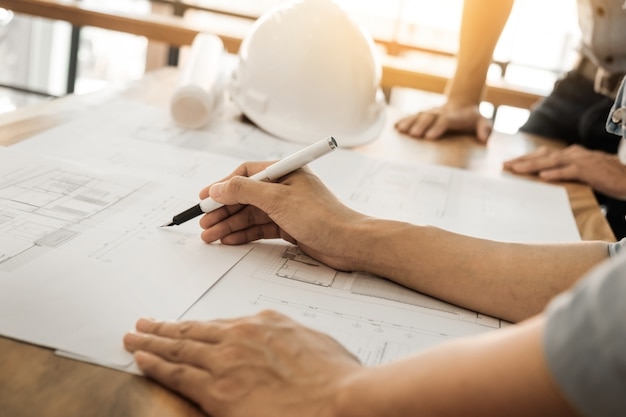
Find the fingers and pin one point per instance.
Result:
(404, 125)
(210, 332)
(241, 190)
(437, 127)
(567, 172)
(541, 151)
(541, 159)
(417, 125)
(244, 170)
(187, 342)
(187, 380)
(251, 234)
(239, 221)
(178, 350)
(233, 218)
(484, 129)
(245, 225)
(434, 123)
(549, 164)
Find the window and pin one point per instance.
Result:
(425, 33)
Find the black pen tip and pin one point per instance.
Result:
(167, 224)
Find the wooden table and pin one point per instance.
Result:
(35, 382)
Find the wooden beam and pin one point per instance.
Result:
(168, 29)
(177, 31)
(397, 74)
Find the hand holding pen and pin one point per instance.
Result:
(271, 173)
(299, 209)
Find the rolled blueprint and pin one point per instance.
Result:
(200, 88)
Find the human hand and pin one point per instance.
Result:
(600, 170)
(434, 123)
(263, 365)
(299, 209)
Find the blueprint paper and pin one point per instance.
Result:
(497, 208)
(142, 138)
(377, 320)
(82, 256)
(99, 252)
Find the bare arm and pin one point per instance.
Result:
(512, 281)
(508, 280)
(500, 374)
(481, 26)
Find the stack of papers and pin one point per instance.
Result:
(82, 256)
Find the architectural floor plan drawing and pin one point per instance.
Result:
(376, 319)
(42, 208)
(82, 255)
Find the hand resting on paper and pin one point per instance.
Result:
(600, 170)
(263, 365)
(268, 365)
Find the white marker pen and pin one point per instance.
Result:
(269, 174)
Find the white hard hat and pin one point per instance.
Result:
(307, 71)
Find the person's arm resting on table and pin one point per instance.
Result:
(512, 281)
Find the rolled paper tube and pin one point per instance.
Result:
(200, 88)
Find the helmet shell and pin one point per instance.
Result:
(306, 71)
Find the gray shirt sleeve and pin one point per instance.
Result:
(615, 248)
(585, 341)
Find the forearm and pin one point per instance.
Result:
(502, 373)
(481, 26)
(512, 281)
